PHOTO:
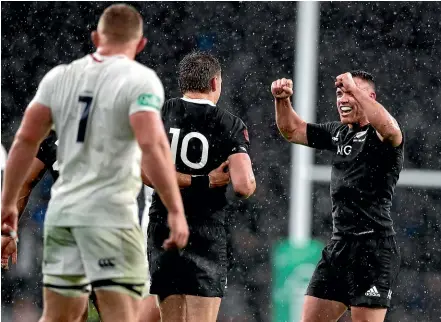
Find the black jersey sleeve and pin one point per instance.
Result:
(320, 136)
(47, 153)
(239, 141)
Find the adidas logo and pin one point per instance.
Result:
(372, 292)
(389, 294)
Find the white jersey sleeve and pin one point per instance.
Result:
(147, 94)
(47, 86)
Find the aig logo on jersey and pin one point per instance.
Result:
(344, 149)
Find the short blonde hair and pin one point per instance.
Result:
(121, 23)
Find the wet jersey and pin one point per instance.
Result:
(365, 172)
(202, 136)
(47, 153)
(99, 159)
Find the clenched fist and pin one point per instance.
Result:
(282, 88)
(9, 248)
(179, 232)
(345, 82)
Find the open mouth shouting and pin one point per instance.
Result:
(345, 110)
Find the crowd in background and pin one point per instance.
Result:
(398, 42)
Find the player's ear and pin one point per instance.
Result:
(214, 84)
(373, 95)
(141, 45)
(95, 38)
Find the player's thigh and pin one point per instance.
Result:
(330, 278)
(62, 257)
(202, 264)
(58, 307)
(320, 310)
(365, 314)
(114, 259)
(374, 273)
(149, 310)
(64, 277)
(117, 306)
(189, 308)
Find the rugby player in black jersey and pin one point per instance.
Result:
(360, 264)
(190, 283)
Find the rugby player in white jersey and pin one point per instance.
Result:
(105, 109)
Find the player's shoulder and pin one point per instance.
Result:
(229, 119)
(174, 101)
(55, 73)
(335, 127)
(61, 70)
(140, 71)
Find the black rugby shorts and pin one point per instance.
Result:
(357, 271)
(199, 269)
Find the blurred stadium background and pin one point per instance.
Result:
(398, 42)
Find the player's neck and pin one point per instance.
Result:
(115, 51)
(360, 124)
(201, 96)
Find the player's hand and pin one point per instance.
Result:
(220, 176)
(282, 88)
(9, 248)
(345, 82)
(179, 232)
(9, 220)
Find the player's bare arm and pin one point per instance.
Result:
(184, 180)
(242, 175)
(159, 168)
(217, 178)
(9, 245)
(35, 126)
(386, 126)
(290, 125)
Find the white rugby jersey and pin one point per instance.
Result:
(98, 156)
(148, 194)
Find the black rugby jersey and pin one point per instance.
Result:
(365, 172)
(202, 136)
(47, 153)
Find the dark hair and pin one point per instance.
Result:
(368, 77)
(195, 72)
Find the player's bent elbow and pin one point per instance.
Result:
(287, 133)
(394, 137)
(244, 189)
(294, 133)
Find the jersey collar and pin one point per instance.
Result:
(198, 101)
(100, 58)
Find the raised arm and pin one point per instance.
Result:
(290, 125)
(386, 126)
